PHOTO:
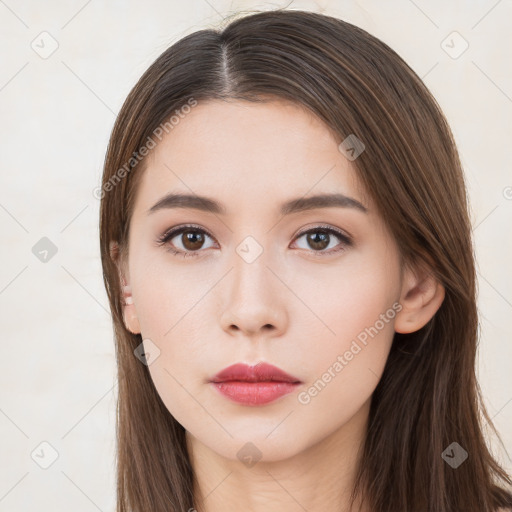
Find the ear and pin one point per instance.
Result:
(421, 297)
(130, 318)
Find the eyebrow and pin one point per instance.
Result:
(206, 204)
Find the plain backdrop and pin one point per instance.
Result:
(66, 68)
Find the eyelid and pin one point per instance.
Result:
(346, 237)
(177, 230)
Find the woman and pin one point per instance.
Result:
(288, 258)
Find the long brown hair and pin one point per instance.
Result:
(428, 396)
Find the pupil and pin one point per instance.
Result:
(193, 240)
(318, 242)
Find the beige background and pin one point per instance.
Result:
(57, 372)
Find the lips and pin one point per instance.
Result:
(254, 385)
(261, 372)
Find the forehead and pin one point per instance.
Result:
(247, 152)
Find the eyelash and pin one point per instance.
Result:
(171, 233)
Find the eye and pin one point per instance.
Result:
(189, 239)
(320, 238)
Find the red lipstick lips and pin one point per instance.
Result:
(254, 385)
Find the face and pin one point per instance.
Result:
(312, 291)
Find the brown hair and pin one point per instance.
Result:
(357, 85)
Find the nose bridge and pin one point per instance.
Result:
(253, 300)
(250, 278)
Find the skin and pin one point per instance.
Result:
(296, 306)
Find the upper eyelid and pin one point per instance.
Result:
(179, 229)
(330, 229)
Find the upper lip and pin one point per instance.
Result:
(261, 372)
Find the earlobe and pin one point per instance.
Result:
(422, 295)
(130, 318)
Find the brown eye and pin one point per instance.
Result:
(185, 240)
(318, 240)
(192, 240)
(321, 238)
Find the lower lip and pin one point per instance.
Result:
(254, 393)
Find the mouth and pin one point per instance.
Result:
(254, 385)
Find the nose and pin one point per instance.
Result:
(253, 300)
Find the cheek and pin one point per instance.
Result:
(346, 300)
(356, 309)
(171, 305)
(166, 296)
